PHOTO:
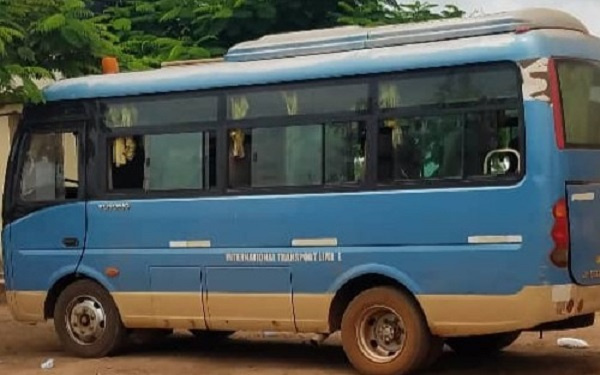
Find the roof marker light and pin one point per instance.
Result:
(110, 65)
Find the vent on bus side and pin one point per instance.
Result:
(354, 38)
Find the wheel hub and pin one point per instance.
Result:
(86, 320)
(381, 334)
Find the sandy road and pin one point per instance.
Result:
(23, 348)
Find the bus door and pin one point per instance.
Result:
(583, 220)
(577, 221)
(138, 230)
(45, 213)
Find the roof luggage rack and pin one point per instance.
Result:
(350, 38)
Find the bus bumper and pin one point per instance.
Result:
(533, 308)
(26, 307)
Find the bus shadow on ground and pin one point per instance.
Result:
(265, 353)
(297, 354)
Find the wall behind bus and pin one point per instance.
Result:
(9, 118)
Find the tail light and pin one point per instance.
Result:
(560, 234)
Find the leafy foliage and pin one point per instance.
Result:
(42, 37)
(384, 12)
(154, 31)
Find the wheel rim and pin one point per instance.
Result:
(85, 320)
(381, 334)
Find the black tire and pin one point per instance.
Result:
(86, 304)
(482, 345)
(436, 350)
(385, 333)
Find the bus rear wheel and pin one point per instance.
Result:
(87, 321)
(483, 344)
(385, 333)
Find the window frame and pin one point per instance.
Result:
(298, 85)
(456, 109)
(370, 118)
(464, 179)
(19, 207)
(157, 97)
(105, 155)
(558, 61)
(102, 160)
(249, 125)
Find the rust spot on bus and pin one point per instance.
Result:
(536, 79)
(570, 306)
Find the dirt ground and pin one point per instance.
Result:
(23, 348)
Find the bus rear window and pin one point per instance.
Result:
(580, 91)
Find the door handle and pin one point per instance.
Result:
(70, 242)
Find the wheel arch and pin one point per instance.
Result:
(359, 279)
(64, 281)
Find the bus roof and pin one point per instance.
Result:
(353, 37)
(348, 51)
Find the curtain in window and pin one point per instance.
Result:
(239, 109)
(390, 98)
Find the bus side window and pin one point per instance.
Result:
(442, 124)
(50, 168)
(163, 162)
(293, 156)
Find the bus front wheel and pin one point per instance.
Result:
(87, 321)
(385, 333)
(482, 345)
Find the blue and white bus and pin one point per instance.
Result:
(408, 185)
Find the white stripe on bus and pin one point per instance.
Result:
(495, 239)
(189, 244)
(580, 197)
(314, 242)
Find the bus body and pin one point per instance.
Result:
(311, 177)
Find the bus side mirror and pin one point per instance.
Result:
(502, 162)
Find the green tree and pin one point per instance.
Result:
(153, 31)
(386, 12)
(40, 38)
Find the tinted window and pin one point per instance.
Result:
(50, 170)
(54, 112)
(467, 141)
(308, 155)
(453, 146)
(420, 148)
(580, 89)
(298, 101)
(185, 161)
(450, 86)
(163, 111)
(456, 124)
